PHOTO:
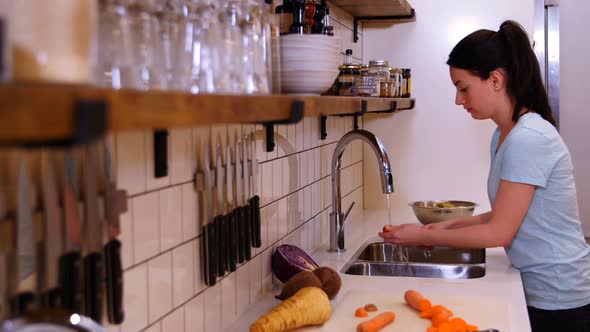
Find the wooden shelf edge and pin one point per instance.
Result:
(43, 113)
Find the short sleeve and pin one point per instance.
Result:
(529, 157)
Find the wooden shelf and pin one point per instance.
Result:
(38, 114)
(371, 8)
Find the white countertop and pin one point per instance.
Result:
(493, 301)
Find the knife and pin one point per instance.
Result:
(239, 195)
(246, 207)
(255, 199)
(93, 265)
(70, 273)
(52, 235)
(26, 260)
(232, 247)
(7, 244)
(208, 232)
(219, 220)
(115, 203)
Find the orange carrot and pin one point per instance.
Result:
(432, 329)
(361, 312)
(417, 301)
(446, 327)
(459, 324)
(472, 328)
(377, 323)
(438, 320)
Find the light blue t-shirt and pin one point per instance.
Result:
(549, 248)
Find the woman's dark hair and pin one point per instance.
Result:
(483, 51)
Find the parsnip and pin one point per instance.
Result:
(309, 306)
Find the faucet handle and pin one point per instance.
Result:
(347, 212)
(341, 228)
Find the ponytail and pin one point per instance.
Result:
(484, 51)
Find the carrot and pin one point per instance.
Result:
(439, 319)
(360, 312)
(417, 301)
(459, 324)
(432, 329)
(377, 323)
(472, 328)
(446, 327)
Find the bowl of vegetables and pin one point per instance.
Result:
(429, 212)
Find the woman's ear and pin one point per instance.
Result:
(497, 78)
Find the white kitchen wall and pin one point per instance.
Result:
(437, 150)
(574, 97)
(164, 291)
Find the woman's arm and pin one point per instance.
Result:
(461, 222)
(512, 202)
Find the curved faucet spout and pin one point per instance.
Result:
(336, 217)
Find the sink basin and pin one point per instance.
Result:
(384, 259)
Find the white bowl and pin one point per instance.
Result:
(309, 63)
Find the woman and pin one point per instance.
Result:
(530, 185)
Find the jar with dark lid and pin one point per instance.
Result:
(348, 74)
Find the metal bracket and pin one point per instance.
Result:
(295, 116)
(90, 123)
(324, 118)
(160, 153)
(356, 21)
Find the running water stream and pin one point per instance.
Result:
(402, 252)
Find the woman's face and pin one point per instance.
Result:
(477, 96)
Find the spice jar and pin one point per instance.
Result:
(407, 79)
(384, 91)
(346, 78)
(379, 69)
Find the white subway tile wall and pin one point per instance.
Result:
(161, 231)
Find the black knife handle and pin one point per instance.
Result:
(92, 290)
(204, 256)
(240, 217)
(22, 303)
(247, 232)
(114, 279)
(211, 253)
(232, 251)
(70, 281)
(221, 244)
(255, 208)
(52, 299)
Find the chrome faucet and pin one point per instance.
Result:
(337, 218)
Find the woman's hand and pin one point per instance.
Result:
(406, 234)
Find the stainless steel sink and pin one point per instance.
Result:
(384, 259)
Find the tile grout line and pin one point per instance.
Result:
(237, 268)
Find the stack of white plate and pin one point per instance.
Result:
(309, 63)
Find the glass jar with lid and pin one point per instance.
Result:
(364, 85)
(348, 74)
(379, 69)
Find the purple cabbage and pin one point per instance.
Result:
(288, 260)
